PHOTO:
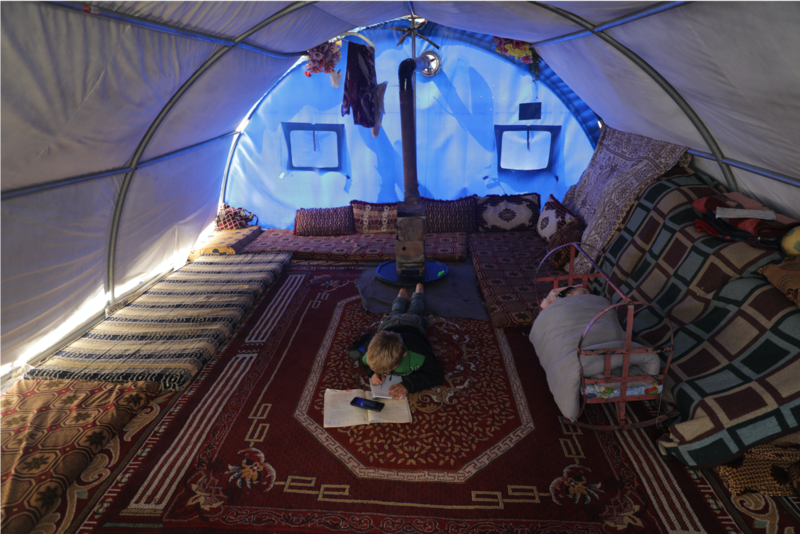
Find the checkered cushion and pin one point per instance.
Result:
(451, 215)
(324, 221)
(374, 218)
(553, 217)
(516, 213)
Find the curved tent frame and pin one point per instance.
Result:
(447, 13)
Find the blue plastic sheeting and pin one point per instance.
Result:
(458, 111)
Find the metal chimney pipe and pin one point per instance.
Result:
(412, 226)
(408, 126)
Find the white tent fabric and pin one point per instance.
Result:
(54, 262)
(209, 108)
(165, 211)
(84, 94)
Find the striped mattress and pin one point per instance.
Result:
(169, 333)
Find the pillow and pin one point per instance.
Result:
(785, 277)
(496, 213)
(790, 244)
(759, 227)
(571, 232)
(554, 216)
(324, 221)
(374, 218)
(450, 215)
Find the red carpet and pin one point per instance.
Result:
(244, 448)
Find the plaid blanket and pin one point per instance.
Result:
(169, 333)
(737, 349)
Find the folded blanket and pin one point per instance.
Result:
(756, 227)
(722, 230)
(555, 336)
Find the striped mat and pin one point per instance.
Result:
(170, 332)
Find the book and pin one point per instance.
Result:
(382, 391)
(735, 213)
(337, 411)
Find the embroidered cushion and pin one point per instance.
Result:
(554, 216)
(571, 232)
(507, 212)
(785, 277)
(450, 215)
(374, 218)
(324, 221)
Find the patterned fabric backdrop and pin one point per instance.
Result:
(622, 167)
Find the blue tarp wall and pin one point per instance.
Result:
(458, 112)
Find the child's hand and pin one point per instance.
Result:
(398, 391)
(377, 379)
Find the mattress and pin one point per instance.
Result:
(225, 242)
(169, 333)
(449, 246)
(506, 264)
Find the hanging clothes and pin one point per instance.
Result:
(359, 85)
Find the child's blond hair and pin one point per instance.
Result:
(385, 351)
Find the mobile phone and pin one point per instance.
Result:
(367, 404)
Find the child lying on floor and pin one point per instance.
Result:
(400, 347)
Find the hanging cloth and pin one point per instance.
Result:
(359, 85)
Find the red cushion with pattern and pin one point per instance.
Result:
(450, 215)
(373, 218)
(324, 221)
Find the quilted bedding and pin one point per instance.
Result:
(169, 333)
(734, 375)
(450, 246)
(506, 264)
(52, 430)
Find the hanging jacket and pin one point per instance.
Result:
(360, 84)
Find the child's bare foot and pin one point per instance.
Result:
(403, 293)
(420, 288)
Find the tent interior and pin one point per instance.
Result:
(128, 126)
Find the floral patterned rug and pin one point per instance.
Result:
(243, 448)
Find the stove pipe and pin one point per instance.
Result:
(412, 225)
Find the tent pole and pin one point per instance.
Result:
(22, 191)
(112, 242)
(661, 81)
(778, 177)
